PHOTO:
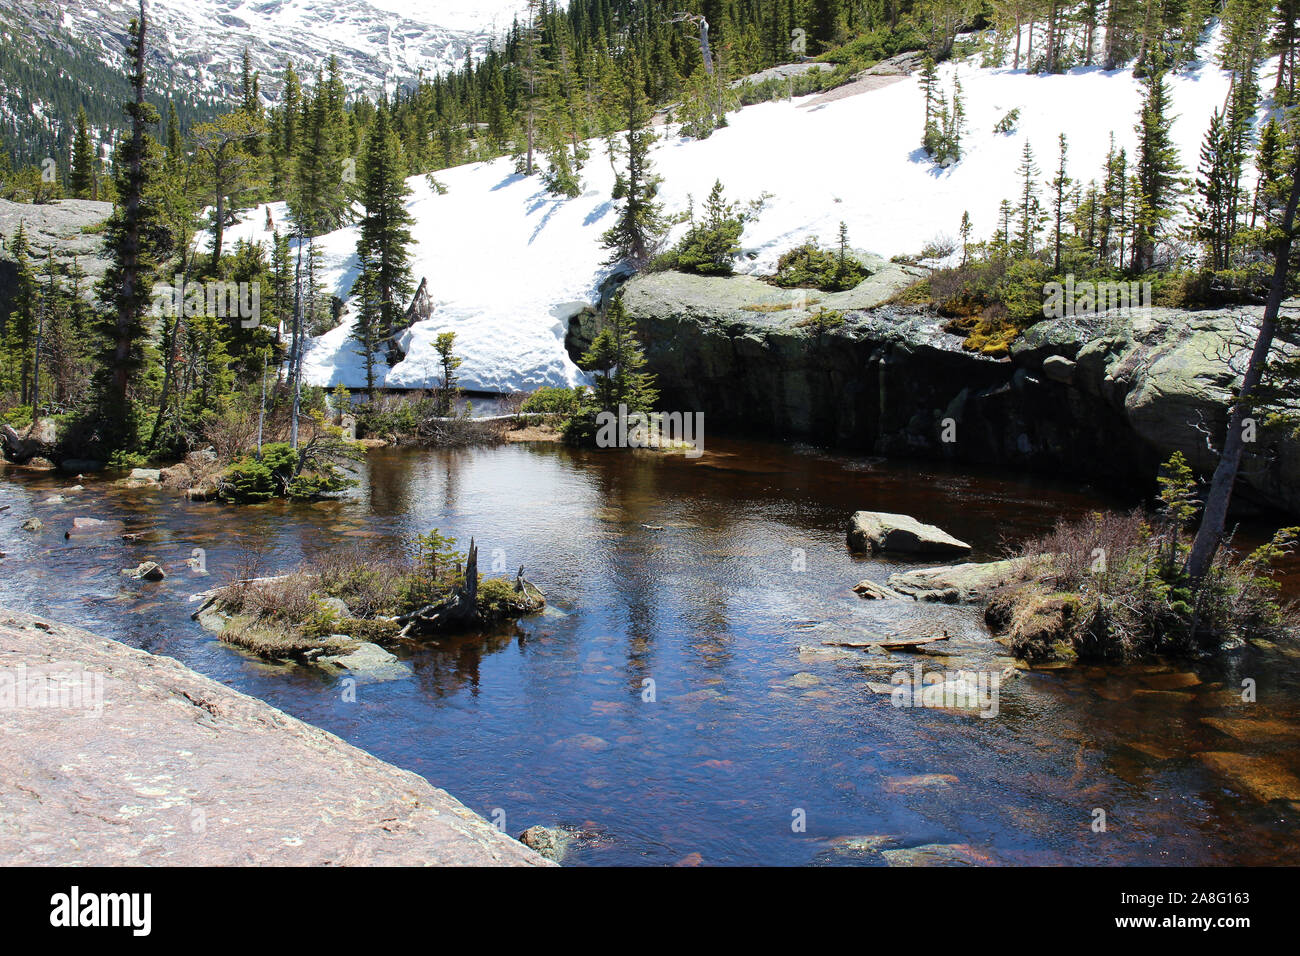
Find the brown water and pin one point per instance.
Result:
(681, 573)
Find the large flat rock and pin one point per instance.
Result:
(963, 583)
(882, 531)
(178, 769)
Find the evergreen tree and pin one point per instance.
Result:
(636, 233)
(366, 331)
(617, 359)
(1061, 183)
(229, 168)
(1157, 173)
(1215, 185)
(1030, 213)
(385, 227)
(82, 179)
(448, 362)
(17, 334)
(135, 240)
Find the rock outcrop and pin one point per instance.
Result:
(881, 531)
(68, 227)
(962, 583)
(172, 768)
(1105, 398)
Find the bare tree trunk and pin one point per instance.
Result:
(296, 346)
(1210, 534)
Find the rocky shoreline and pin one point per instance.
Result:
(172, 768)
(1104, 398)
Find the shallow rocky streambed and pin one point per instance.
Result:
(687, 696)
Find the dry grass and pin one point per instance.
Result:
(276, 642)
(533, 433)
(781, 306)
(1090, 550)
(1114, 591)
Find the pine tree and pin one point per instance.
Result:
(1061, 183)
(366, 331)
(82, 179)
(1113, 203)
(1215, 213)
(135, 240)
(448, 362)
(228, 167)
(635, 235)
(930, 86)
(1030, 211)
(1157, 173)
(617, 359)
(1286, 44)
(18, 332)
(385, 226)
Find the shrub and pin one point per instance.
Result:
(555, 401)
(711, 244)
(1009, 123)
(248, 480)
(810, 267)
(1114, 589)
(254, 479)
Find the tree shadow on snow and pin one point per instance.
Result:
(919, 156)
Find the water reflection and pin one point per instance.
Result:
(684, 573)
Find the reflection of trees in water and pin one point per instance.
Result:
(649, 570)
(456, 662)
(386, 481)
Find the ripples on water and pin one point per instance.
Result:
(680, 572)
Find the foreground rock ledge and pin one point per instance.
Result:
(181, 770)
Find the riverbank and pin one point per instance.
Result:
(177, 769)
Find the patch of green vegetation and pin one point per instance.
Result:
(549, 400)
(281, 472)
(1114, 587)
(810, 267)
(823, 320)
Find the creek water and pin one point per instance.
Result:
(677, 702)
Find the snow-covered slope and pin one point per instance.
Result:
(507, 263)
(376, 41)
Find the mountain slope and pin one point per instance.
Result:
(376, 41)
(54, 58)
(507, 264)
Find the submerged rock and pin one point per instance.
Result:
(881, 531)
(93, 526)
(33, 524)
(549, 842)
(368, 660)
(936, 854)
(1264, 778)
(148, 571)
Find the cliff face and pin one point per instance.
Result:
(1105, 398)
(147, 762)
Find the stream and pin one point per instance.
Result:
(676, 703)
